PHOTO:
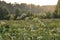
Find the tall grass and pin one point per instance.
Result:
(37, 29)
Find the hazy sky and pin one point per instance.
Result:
(37, 2)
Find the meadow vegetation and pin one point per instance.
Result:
(36, 29)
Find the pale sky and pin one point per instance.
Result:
(36, 2)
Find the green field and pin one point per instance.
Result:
(36, 29)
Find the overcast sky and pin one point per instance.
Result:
(36, 2)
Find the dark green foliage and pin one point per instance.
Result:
(48, 15)
(4, 13)
(55, 14)
(58, 6)
(1, 13)
(17, 13)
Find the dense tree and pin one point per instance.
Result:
(1, 13)
(4, 13)
(58, 6)
(56, 13)
(48, 15)
(17, 13)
